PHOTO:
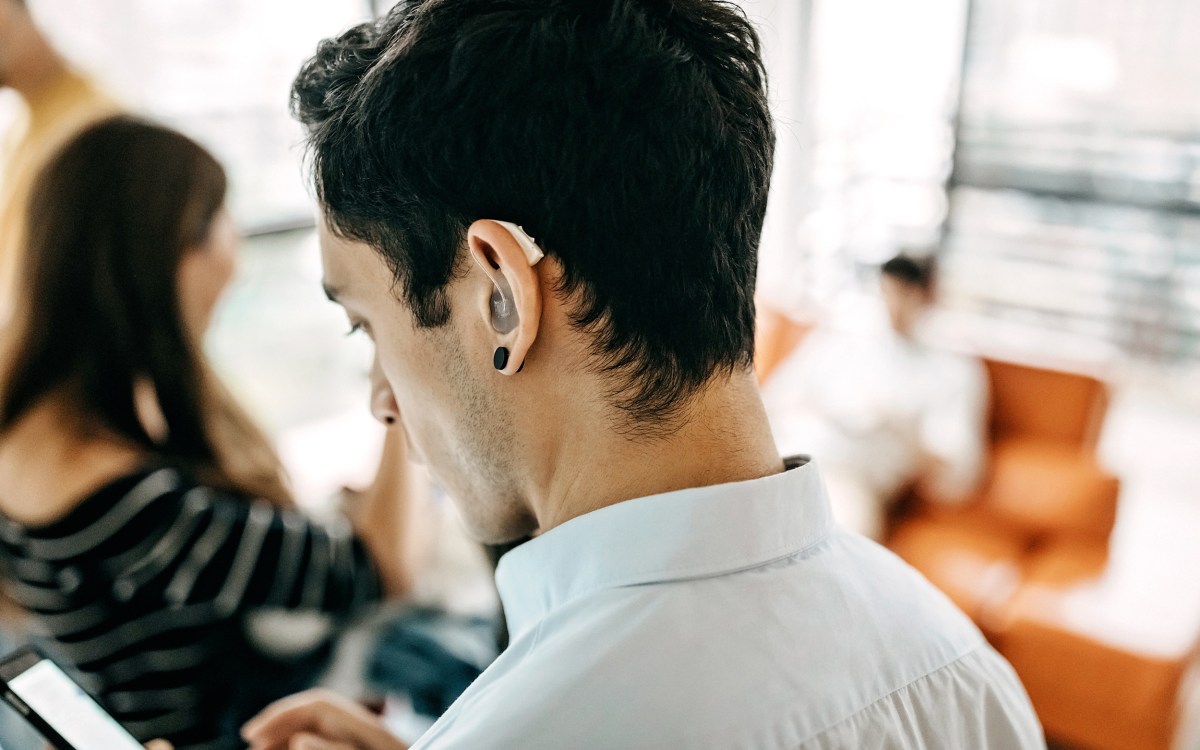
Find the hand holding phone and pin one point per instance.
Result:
(57, 706)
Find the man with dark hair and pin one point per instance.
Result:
(912, 269)
(545, 214)
(879, 406)
(907, 284)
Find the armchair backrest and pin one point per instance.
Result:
(1052, 405)
(776, 335)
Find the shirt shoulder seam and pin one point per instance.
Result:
(976, 648)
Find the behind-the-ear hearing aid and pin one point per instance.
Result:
(533, 253)
(503, 306)
(504, 311)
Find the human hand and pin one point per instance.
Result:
(159, 745)
(394, 519)
(318, 720)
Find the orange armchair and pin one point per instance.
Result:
(1029, 560)
(1043, 487)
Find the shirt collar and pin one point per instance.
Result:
(693, 533)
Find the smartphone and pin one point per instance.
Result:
(57, 707)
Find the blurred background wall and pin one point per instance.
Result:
(1051, 147)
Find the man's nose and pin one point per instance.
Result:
(383, 403)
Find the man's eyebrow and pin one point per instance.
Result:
(330, 291)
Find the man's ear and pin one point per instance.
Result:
(511, 306)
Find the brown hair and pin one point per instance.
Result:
(108, 222)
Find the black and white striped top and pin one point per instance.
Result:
(145, 585)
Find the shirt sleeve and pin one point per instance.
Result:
(953, 429)
(209, 546)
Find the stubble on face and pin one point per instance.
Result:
(450, 400)
(484, 469)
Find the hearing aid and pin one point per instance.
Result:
(504, 309)
(533, 253)
(503, 306)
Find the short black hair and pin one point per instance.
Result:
(632, 138)
(914, 270)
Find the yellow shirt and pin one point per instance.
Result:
(50, 119)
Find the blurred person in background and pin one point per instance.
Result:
(57, 102)
(144, 519)
(878, 407)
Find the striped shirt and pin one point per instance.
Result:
(145, 585)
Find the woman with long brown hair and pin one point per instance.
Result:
(143, 517)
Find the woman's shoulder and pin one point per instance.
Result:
(47, 471)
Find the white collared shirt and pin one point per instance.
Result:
(731, 616)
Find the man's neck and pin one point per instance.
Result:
(726, 438)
